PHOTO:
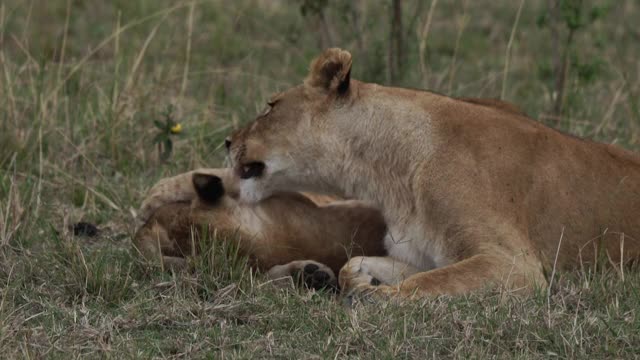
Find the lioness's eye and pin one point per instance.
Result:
(266, 111)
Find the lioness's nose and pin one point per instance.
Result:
(250, 170)
(227, 143)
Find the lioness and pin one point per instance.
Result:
(473, 195)
(284, 234)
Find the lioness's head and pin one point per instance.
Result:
(277, 150)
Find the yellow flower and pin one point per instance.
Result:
(176, 129)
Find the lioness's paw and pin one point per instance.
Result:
(370, 278)
(356, 278)
(309, 273)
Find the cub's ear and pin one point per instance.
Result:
(331, 71)
(208, 187)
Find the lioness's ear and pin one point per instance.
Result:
(331, 71)
(208, 187)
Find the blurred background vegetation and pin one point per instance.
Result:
(84, 81)
(89, 77)
(90, 90)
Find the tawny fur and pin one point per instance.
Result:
(474, 194)
(282, 229)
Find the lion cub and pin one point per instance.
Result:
(283, 234)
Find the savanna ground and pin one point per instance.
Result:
(83, 82)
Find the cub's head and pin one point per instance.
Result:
(168, 232)
(277, 151)
(210, 188)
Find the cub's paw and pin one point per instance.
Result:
(308, 273)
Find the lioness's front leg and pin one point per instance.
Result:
(367, 275)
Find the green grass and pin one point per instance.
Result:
(81, 85)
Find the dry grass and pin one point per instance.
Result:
(82, 82)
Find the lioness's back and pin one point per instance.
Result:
(558, 184)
